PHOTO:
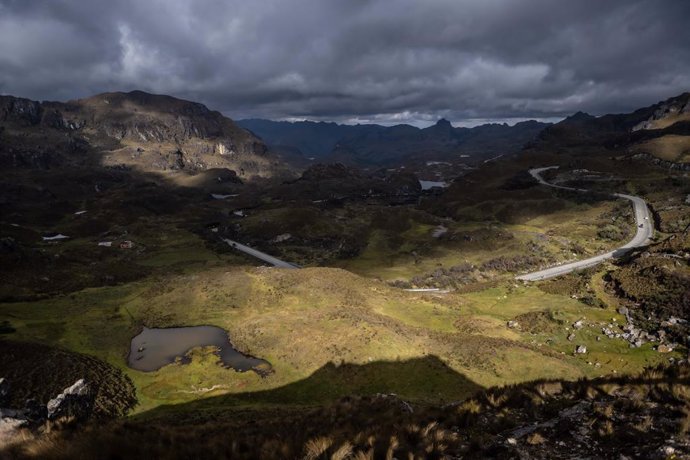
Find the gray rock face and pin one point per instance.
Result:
(19, 110)
(75, 401)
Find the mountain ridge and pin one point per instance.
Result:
(372, 144)
(149, 132)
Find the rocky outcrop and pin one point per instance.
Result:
(75, 401)
(20, 111)
(136, 129)
(669, 108)
(661, 163)
(74, 404)
(144, 118)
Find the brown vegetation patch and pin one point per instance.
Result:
(41, 372)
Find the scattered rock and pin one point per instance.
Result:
(668, 450)
(663, 348)
(623, 311)
(282, 237)
(439, 231)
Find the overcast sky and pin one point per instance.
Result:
(386, 61)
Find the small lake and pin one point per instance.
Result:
(155, 348)
(429, 184)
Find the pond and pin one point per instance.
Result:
(155, 348)
(429, 184)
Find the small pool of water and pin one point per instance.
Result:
(429, 184)
(155, 348)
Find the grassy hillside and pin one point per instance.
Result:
(305, 322)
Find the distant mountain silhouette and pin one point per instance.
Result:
(380, 145)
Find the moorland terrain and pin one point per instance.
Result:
(404, 332)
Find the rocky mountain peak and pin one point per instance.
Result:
(666, 113)
(580, 116)
(149, 131)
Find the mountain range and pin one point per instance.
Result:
(372, 144)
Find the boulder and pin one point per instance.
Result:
(664, 348)
(581, 349)
(75, 401)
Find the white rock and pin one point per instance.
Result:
(282, 237)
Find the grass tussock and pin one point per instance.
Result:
(623, 415)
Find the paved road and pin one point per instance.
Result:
(260, 255)
(642, 236)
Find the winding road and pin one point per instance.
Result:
(260, 255)
(643, 224)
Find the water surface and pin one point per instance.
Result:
(155, 348)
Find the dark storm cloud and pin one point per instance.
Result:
(380, 60)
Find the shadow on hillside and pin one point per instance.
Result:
(426, 379)
(91, 205)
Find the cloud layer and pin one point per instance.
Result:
(357, 60)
